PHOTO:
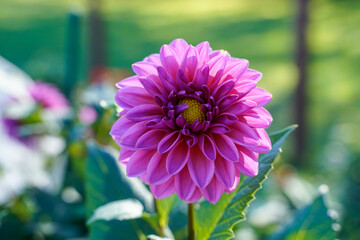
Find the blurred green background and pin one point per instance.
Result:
(33, 35)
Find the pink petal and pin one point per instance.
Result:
(201, 169)
(195, 196)
(251, 74)
(248, 162)
(163, 190)
(202, 76)
(146, 69)
(132, 134)
(203, 50)
(124, 161)
(215, 53)
(157, 124)
(145, 112)
(153, 58)
(121, 126)
(207, 146)
(184, 185)
(240, 107)
(160, 99)
(226, 147)
(234, 69)
(168, 142)
(219, 128)
(181, 80)
(117, 140)
(226, 101)
(150, 139)
(178, 109)
(254, 115)
(265, 143)
(151, 86)
(138, 163)
(190, 63)
(180, 46)
(236, 182)
(125, 153)
(216, 66)
(178, 157)
(260, 96)
(225, 171)
(144, 178)
(122, 112)
(166, 79)
(243, 134)
(156, 169)
(192, 140)
(223, 89)
(254, 121)
(132, 81)
(226, 118)
(263, 113)
(244, 87)
(132, 96)
(169, 59)
(257, 118)
(213, 191)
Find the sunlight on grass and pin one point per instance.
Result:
(199, 9)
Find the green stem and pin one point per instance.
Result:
(160, 225)
(191, 231)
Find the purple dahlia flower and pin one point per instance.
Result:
(193, 120)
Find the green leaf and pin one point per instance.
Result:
(310, 223)
(216, 221)
(106, 181)
(351, 201)
(3, 213)
(118, 210)
(164, 207)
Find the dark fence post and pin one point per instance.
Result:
(72, 53)
(97, 43)
(301, 100)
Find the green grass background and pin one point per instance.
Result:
(33, 36)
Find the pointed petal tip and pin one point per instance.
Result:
(168, 142)
(156, 169)
(163, 190)
(201, 169)
(177, 158)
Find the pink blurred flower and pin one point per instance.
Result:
(87, 115)
(48, 96)
(193, 120)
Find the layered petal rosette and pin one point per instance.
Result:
(192, 121)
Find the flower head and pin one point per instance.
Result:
(48, 96)
(87, 115)
(17, 122)
(193, 120)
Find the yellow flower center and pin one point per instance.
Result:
(193, 112)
